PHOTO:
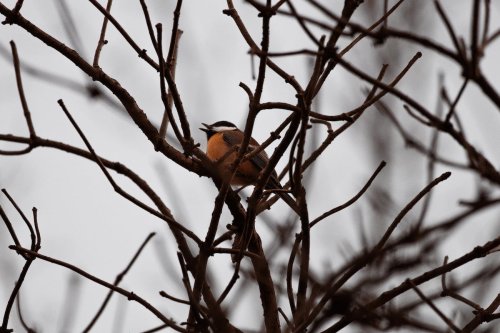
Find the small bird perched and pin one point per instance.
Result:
(223, 142)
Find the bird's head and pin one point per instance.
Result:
(217, 127)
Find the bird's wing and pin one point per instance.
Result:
(260, 160)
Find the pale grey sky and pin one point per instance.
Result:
(85, 223)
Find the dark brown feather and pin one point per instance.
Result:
(234, 138)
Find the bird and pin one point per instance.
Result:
(223, 142)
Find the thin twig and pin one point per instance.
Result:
(141, 52)
(431, 164)
(18, 152)
(433, 306)
(35, 245)
(232, 281)
(172, 298)
(171, 66)
(288, 53)
(460, 50)
(332, 63)
(274, 135)
(170, 98)
(447, 292)
(299, 189)
(353, 199)
(356, 114)
(171, 63)
(117, 281)
(416, 116)
(38, 236)
(174, 36)
(163, 91)
(486, 28)
(149, 25)
(310, 19)
(474, 47)
(407, 208)
(69, 26)
(156, 329)
(15, 291)
(484, 275)
(386, 88)
(25, 219)
(302, 22)
(455, 102)
(169, 219)
(386, 20)
(289, 275)
(288, 322)
(24, 103)
(102, 41)
(90, 90)
(167, 72)
(8, 224)
(21, 318)
(482, 316)
(412, 142)
(382, 20)
(444, 94)
(233, 13)
(232, 252)
(195, 308)
(130, 295)
(70, 306)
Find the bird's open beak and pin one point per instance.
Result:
(205, 129)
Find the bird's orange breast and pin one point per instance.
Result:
(221, 153)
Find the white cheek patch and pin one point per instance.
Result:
(223, 128)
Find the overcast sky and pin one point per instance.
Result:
(85, 223)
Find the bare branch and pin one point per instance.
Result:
(168, 218)
(117, 281)
(24, 103)
(353, 199)
(102, 41)
(433, 307)
(477, 252)
(129, 295)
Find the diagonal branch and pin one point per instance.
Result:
(168, 218)
(131, 296)
(477, 252)
(117, 281)
(372, 254)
